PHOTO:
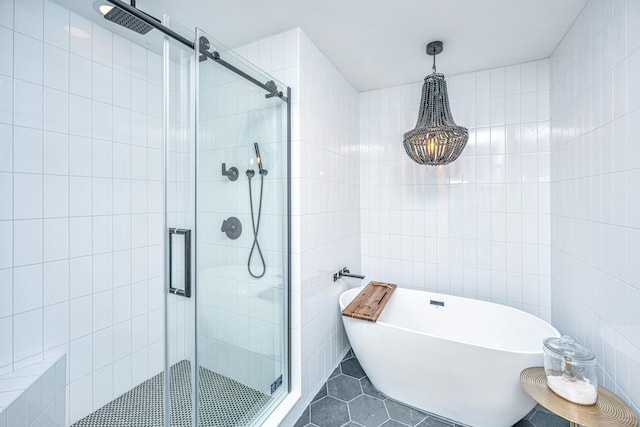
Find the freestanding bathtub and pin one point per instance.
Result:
(455, 357)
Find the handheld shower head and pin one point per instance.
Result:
(263, 171)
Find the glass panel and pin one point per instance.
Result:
(180, 215)
(242, 277)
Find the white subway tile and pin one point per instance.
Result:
(529, 107)
(80, 276)
(56, 196)
(27, 288)
(28, 17)
(80, 236)
(80, 32)
(512, 80)
(102, 154)
(80, 317)
(56, 111)
(102, 121)
(102, 82)
(122, 197)
(139, 197)
(6, 148)
(122, 89)
(138, 61)
(102, 348)
(102, 234)
(102, 196)
(6, 287)
(6, 189)
(80, 116)
(6, 99)
(56, 325)
(498, 82)
(56, 283)
(102, 46)
(6, 46)
(6, 244)
(56, 25)
(27, 334)
(56, 70)
(122, 340)
(6, 350)
(121, 54)
(80, 156)
(26, 95)
(80, 359)
(139, 334)
(27, 242)
(102, 272)
(6, 13)
(138, 230)
(80, 196)
(102, 310)
(483, 84)
(633, 205)
(80, 72)
(529, 77)
(56, 153)
(27, 150)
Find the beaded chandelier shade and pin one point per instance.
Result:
(436, 139)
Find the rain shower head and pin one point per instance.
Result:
(119, 16)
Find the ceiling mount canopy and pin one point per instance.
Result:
(436, 139)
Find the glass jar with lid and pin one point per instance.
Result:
(570, 369)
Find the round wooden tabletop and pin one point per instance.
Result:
(609, 410)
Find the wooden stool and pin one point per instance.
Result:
(609, 410)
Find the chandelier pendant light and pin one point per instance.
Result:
(436, 139)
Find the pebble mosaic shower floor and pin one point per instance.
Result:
(223, 402)
(348, 399)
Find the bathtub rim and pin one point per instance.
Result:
(432, 335)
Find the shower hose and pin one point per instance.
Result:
(255, 247)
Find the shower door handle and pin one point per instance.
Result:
(186, 290)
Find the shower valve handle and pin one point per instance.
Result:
(232, 173)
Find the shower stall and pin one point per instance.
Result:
(227, 199)
(174, 279)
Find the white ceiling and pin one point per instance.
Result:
(381, 43)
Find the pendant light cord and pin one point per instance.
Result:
(434, 64)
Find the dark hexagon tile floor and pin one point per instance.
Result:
(348, 399)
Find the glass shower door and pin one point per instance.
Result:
(180, 355)
(241, 240)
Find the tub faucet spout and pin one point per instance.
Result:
(346, 273)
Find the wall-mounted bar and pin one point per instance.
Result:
(152, 21)
(203, 47)
(269, 86)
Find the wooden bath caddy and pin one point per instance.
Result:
(609, 410)
(370, 302)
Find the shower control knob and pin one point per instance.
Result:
(232, 227)
(231, 173)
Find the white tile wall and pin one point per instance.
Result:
(75, 202)
(595, 175)
(327, 211)
(479, 226)
(325, 203)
